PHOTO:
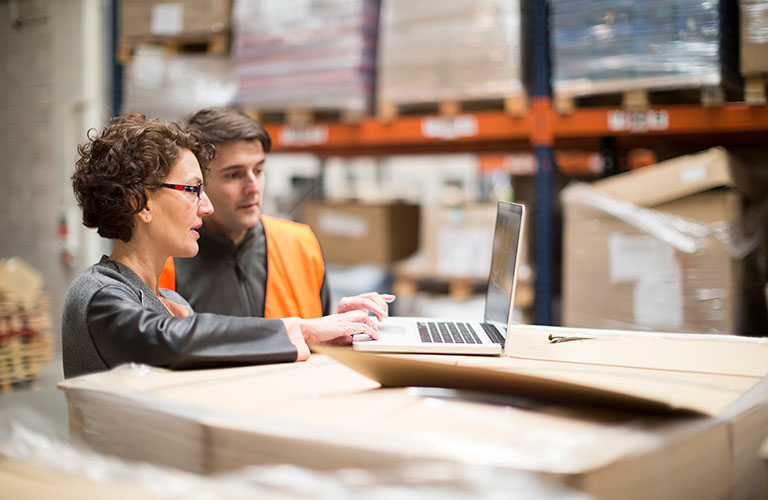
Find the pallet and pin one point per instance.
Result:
(26, 344)
(755, 90)
(306, 116)
(565, 104)
(214, 43)
(457, 288)
(514, 105)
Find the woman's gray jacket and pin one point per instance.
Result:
(111, 316)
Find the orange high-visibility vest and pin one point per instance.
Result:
(295, 270)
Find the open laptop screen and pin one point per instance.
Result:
(501, 279)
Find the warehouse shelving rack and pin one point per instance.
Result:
(540, 130)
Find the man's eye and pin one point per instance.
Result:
(233, 175)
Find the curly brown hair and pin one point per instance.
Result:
(121, 165)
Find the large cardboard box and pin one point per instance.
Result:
(456, 242)
(655, 249)
(754, 36)
(358, 233)
(147, 18)
(711, 414)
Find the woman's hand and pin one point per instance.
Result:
(372, 301)
(337, 329)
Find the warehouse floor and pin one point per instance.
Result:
(41, 406)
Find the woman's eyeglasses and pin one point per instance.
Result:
(197, 188)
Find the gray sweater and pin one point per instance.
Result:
(111, 316)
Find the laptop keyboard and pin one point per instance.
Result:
(446, 332)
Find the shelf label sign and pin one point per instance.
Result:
(447, 127)
(620, 120)
(303, 135)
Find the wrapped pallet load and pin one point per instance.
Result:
(463, 50)
(310, 54)
(615, 46)
(679, 246)
(26, 344)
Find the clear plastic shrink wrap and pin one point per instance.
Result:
(172, 86)
(35, 463)
(455, 49)
(316, 54)
(670, 247)
(606, 46)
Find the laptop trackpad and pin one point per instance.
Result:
(384, 329)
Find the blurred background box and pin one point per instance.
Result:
(146, 18)
(356, 233)
(662, 248)
(601, 47)
(754, 36)
(457, 49)
(26, 343)
(457, 241)
(305, 54)
(174, 85)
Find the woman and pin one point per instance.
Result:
(140, 183)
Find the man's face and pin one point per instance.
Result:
(235, 185)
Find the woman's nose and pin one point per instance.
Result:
(205, 207)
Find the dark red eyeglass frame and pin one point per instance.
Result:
(197, 188)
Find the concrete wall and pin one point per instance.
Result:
(52, 88)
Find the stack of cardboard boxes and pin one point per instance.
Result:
(667, 248)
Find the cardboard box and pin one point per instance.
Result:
(325, 416)
(148, 18)
(754, 41)
(456, 242)
(20, 283)
(653, 249)
(357, 233)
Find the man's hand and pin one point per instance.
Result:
(372, 301)
(337, 329)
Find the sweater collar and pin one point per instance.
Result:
(211, 241)
(146, 295)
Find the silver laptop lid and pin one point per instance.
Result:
(502, 278)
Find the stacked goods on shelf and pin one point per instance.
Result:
(172, 86)
(754, 49)
(26, 345)
(619, 46)
(152, 19)
(176, 56)
(315, 55)
(465, 50)
(671, 247)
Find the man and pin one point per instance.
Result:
(250, 264)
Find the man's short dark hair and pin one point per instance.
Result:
(229, 125)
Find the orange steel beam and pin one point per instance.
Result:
(534, 127)
(683, 119)
(407, 130)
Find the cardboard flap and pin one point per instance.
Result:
(694, 353)
(671, 179)
(629, 370)
(570, 385)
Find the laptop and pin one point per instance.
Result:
(434, 335)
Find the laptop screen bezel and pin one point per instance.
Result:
(518, 210)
